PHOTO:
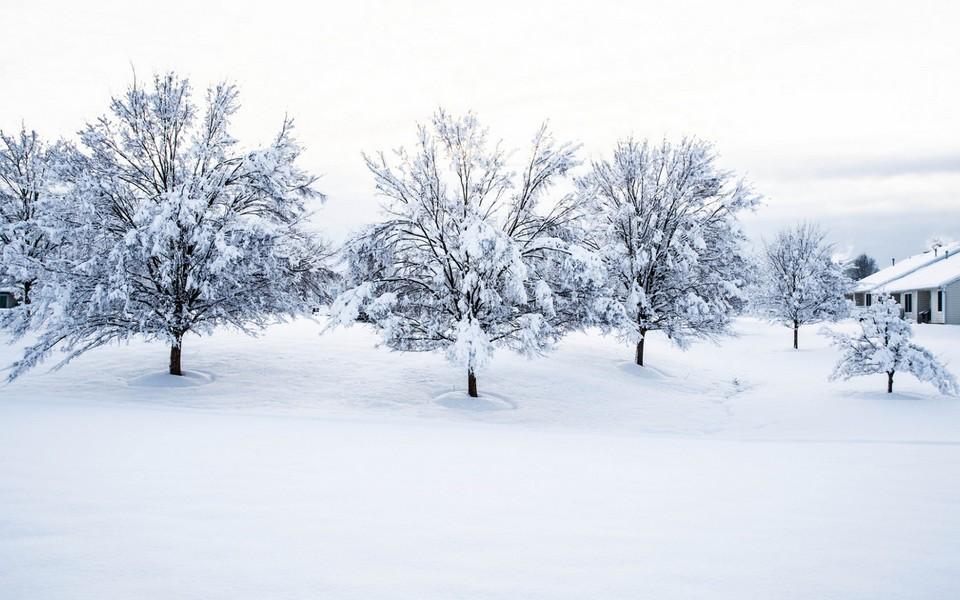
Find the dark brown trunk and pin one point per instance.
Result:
(175, 356)
(639, 354)
(796, 328)
(472, 384)
(889, 382)
(27, 286)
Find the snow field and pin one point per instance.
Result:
(309, 466)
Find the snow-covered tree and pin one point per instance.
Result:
(166, 228)
(472, 256)
(26, 172)
(883, 346)
(664, 219)
(799, 281)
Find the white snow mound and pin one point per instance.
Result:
(459, 400)
(163, 379)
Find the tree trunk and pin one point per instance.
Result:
(796, 328)
(175, 356)
(889, 382)
(27, 286)
(639, 355)
(471, 384)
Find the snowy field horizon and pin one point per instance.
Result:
(297, 465)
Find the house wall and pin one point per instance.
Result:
(912, 315)
(951, 300)
(937, 316)
(951, 304)
(924, 301)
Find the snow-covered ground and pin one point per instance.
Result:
(300, 466)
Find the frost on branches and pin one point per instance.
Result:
(799, 281)
(664, 220)
(166, 228)
(470, 257)
(26, 166)
(883, 346)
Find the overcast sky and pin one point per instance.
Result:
(847, 113)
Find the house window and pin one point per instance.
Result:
(869, 299)
(908, 303)
(940, 301)
(5, 301)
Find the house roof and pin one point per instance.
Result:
(934, 275)
(905, 267)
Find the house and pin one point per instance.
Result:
(926, 285)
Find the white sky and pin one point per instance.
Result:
(842, 112)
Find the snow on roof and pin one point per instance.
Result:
(906, 267)
(935, 275)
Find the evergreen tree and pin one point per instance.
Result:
(860, 267)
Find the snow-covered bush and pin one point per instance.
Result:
(664, 220)
(799, 282)
(883, 346)
(26, 176)
(467, 261)
(166, 228)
